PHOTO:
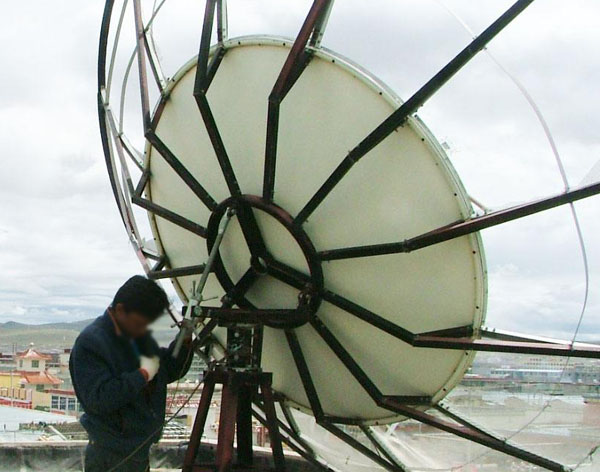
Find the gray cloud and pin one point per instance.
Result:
(63, 248)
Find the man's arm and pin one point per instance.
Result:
(98, 389)
(176, 367)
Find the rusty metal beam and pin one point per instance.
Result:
(169, 215)
(360, 447)
(141, 56)
(204, 74)
(296, 62)
(440, 340)
(474, 434)
(293, 441)
(381, 447)
(304, 372)
(156, 274)
(463, 228)
(181, 170)
(517, 347)
(398, 117)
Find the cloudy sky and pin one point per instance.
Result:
(63, 248)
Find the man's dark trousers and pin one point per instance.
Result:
(99, 459)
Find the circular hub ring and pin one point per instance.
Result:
(309, 298)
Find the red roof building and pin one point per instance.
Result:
(39, 381)
(39, 378)
(32, 354)
(31, 361)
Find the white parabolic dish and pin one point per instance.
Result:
(404, 187)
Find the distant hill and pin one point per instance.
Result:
(62, 334)
(71, 326)
(45, 336)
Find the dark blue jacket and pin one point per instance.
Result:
(121, 410)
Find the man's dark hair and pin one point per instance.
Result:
(142, 295)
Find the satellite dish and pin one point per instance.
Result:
(351, 248)
(416, 189)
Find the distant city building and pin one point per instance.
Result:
(32, 361)
(539, 375)
(64, 402)
(10, 379)
(12, 393)
(197, 369)
(33, 368)
(39, 381)
(27, 384)
(494, 368)
(7, 362)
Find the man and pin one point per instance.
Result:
(120, 377)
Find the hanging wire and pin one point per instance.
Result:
(564, 178)
(113, 55)
(589, 456)
(340, 457)
(155, 9)
(549, 137)
(130, 64)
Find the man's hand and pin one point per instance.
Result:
(149, 366)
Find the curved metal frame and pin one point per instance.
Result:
(306, 45)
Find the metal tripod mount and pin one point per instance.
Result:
(240, 372)
(243, 382)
